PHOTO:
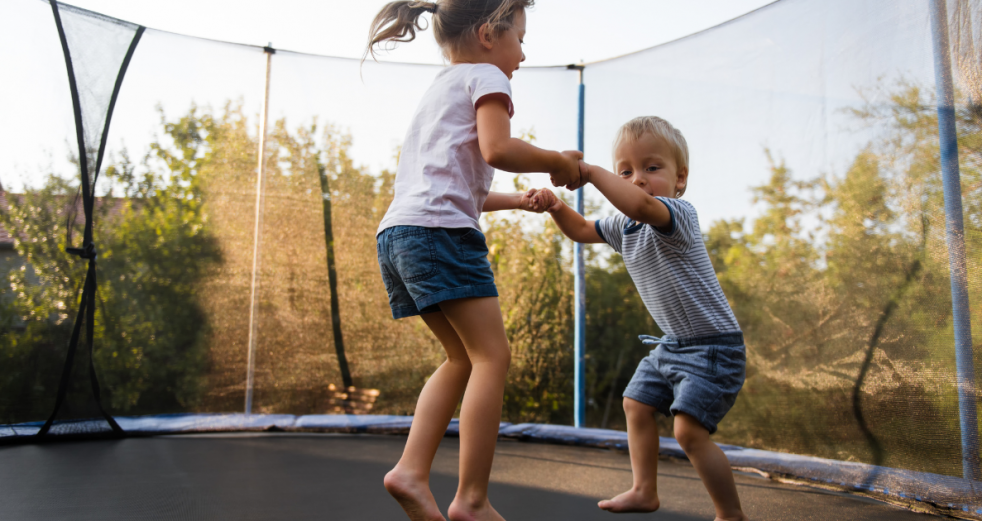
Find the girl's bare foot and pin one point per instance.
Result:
(482, 512)
(631, 501)
(413, 495)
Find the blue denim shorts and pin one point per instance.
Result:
(422, 267)
(697, 376)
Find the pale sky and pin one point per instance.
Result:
(780, 78)
(559, 31)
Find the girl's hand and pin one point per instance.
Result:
(527, 202)
(584, 176)
(568, 171)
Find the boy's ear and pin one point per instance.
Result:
(682, 180)
(485, 36)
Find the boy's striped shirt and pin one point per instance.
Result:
(672, 272)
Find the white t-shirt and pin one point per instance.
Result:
(443, 180)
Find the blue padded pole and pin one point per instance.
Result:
(579, 291)
(955, 234)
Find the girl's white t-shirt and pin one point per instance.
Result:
(443, 180)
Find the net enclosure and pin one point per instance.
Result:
(187, 237)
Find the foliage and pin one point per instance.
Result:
(153, 250)
(808, 297)
(534, 285)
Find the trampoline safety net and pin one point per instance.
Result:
(816, 166)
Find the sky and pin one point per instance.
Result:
(559, 31)
(779, 79)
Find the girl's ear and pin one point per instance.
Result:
(485, 36)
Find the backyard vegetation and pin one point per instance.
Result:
(808, 280)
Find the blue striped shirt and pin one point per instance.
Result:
(672, 272)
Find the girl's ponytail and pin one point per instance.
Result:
(454, 21)
(398, 22)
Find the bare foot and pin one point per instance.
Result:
(741, 517)
(483, 512)
(413, 495)
(631, 501)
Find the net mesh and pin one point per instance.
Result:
(815, 167)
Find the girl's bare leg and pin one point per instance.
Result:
(712, 466)
(409, 481)
(642, 443)
(479, 325)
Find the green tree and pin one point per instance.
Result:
(810, 297)
(153, 251)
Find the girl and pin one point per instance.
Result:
(431, 252)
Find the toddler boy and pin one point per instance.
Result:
(697, 368)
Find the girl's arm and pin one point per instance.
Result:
(497, 201)
(631, 200)
(510, 154)
(527, 201)
(571, 223)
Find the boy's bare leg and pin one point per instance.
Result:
(479, 325)
(409, 481)
(712, 466)
(642, 443)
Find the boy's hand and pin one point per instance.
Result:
(569, 170)
(546, 200)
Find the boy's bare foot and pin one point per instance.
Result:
(631, 501)
(484, 512)
(413, 495)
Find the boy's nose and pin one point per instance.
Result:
(638, 181)
(523, 55)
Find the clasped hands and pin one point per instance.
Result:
(573, 174)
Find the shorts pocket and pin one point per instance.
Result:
(412, 254)
(472, 242)
(383, 267)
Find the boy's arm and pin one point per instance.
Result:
(631, 200)
(504, 152)
(571, 223)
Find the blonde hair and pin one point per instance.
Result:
(454, 21)
(658, 127)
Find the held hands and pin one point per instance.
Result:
(538, 200)
(568, 171)
(584, 176)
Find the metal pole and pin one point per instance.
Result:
(579, 290)
(257, 235)
(955, 234)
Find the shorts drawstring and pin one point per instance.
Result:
(654, 340)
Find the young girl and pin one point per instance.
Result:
(431, 252)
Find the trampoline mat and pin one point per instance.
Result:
(339, 477)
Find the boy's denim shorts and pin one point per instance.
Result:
(697, 376)
(422, 267)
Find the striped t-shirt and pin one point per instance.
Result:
(672, 272)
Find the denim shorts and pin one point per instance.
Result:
(697, 376)
(422, 267)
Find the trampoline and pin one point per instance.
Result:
(191, 312)
(258, 476)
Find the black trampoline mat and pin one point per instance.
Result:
(339, 477)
